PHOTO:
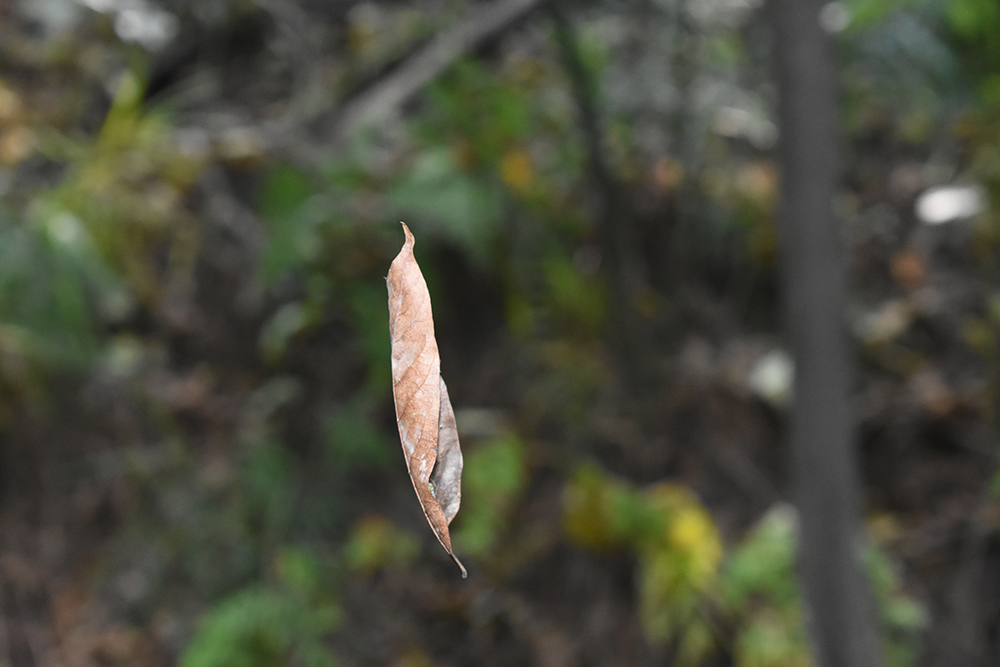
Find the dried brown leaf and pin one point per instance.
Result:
(424, 414)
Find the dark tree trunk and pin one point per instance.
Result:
(841, 622)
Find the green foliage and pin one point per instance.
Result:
(267, 626)
(376, 543)
(126, 191)
(759, 586)
(50, 282)
(577, 300)
(602, 513)
(679, 574)
(113, 232)
(439, 195)
(764, 562)
(365, 300)
(266, 482)
(98, 263)
(866, 13)
(995, 484)
(687, 590)
(290, 238)
(975, 23)
(493, 476)
(677, 544)
(286, 322)
(351, 439)
(489, 139)
(473, 103)
(902, 617)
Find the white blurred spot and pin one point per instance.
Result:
(772, 376)
(834, 17)
(124, 356)
(54, 16)
(731, 13)
(102, 6)
(67, 229)
(889, 321)
(951, 202)
(736, 122)
(149, 26)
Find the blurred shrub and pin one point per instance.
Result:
(678, 547)
(689, 593)
(975, 24)
(438, 192)
(759, 585)
(760, 589)
(281, 206)
(352, 440)
(577, 300)
(266, 484)
(679, 574)
(51, 284)
(365, 300)
(375, 543)
(493, 476)
(126, 189)
(114, 233)
(903, 618)
(603, 513)
(270, 625)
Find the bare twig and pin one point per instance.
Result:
(386, 96)
(286, 136)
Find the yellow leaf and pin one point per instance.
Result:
(516, 170)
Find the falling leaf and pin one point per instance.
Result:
(424, 414)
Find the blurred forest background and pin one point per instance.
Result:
(199, 201)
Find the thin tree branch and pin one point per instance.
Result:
(391, 92)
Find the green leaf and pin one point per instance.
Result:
(366, 303)
(765, 562)
(457, 205)
(280, 328)
(492, 477)
(289, 243)
(352, 440)
(376, 542)
(261, 627)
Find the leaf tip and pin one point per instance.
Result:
(408, 233)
